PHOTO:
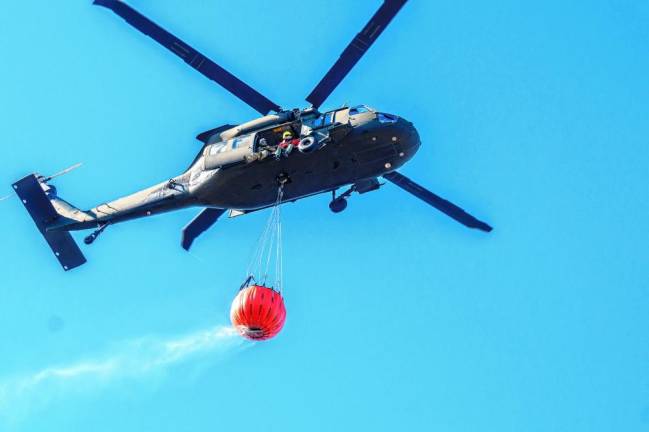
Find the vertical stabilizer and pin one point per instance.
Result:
(42, 211)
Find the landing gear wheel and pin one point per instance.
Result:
(338, 205)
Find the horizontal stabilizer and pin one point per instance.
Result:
(42, 211)
(199, 225)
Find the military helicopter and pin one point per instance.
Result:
(239, 167)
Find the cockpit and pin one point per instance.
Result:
(317, 120)
(382, 117)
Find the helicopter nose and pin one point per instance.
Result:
(407, 138)
(402, 136)
(412, 135)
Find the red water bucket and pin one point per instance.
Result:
(258, 312)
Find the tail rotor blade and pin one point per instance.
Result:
(446, 207)
(201, 223)
(65, 171)
(191, 56)
(354, 51)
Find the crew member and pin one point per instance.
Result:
(287, 144)
(263, 151)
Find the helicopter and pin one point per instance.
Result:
(240, 167)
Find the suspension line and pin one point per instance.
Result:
(269, 246)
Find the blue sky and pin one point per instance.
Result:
(532, 116)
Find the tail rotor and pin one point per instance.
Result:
(60, 173)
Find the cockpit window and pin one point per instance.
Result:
(387, 118)
(322, 120)
(313, 121)
(329, 118)
(359, 109)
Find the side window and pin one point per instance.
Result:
(317, 122)
(236, 142)
(329, 118)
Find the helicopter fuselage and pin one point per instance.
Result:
(238, 170)
(367, 146)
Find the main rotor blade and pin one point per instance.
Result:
(354, 51)
(436, 201)
(199, 225)
(192, 57)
